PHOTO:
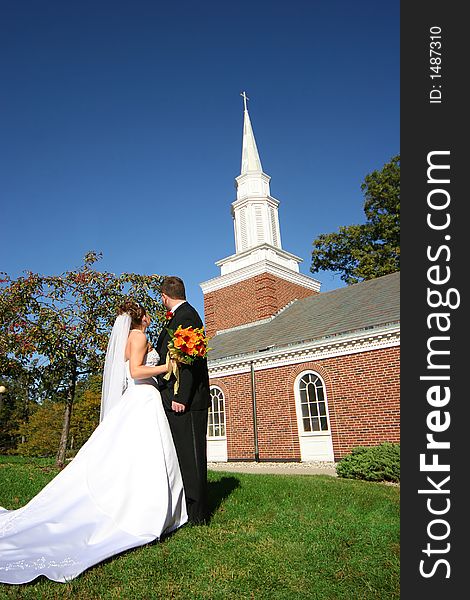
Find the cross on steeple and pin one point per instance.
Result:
(245, 98)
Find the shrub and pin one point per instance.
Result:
(374, 463)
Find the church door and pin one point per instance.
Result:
(312, 418)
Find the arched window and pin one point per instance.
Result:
(216, 421)
(312, 403)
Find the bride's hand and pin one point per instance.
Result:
(167, 367)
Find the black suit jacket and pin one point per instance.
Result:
(194, 379)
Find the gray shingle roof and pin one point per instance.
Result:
(360, 306)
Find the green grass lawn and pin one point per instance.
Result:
(270, 537)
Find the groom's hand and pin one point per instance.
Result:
(177, 407)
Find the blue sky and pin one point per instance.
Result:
(121, 126)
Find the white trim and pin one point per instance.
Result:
(350, 343)
(263, 246)
(264, 266)
(240, 202)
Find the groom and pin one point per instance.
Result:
(188, 409)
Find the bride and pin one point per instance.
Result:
(123, 488)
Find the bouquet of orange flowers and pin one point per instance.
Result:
(186, 345)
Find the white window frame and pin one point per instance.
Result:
(217, 437)
(298, 401)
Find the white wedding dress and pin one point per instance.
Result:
(123, 489)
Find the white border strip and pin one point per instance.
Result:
(264, 266)
(354, 343)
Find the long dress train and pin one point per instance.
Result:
(123, 489)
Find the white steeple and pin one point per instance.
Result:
(250, 157)
(255, 215)
(255, 211)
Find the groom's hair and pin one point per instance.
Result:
(173, 287)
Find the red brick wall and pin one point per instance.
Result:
(363, 397)
(251, 300)
(238, 415)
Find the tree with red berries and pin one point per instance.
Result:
(56, 328)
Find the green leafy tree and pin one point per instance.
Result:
(56, 327)
(16, 403)
(86, 412)
(14, 407)
(361, 252)
(42, 431)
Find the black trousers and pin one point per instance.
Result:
(189, 430)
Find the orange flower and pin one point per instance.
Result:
(178, 342)
(186, 345)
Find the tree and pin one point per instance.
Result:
(56, 327)
(86, 412)
(14, 409)
(42, 432)
(370, 250)
(17, 402)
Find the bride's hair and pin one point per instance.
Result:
(134, 310)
